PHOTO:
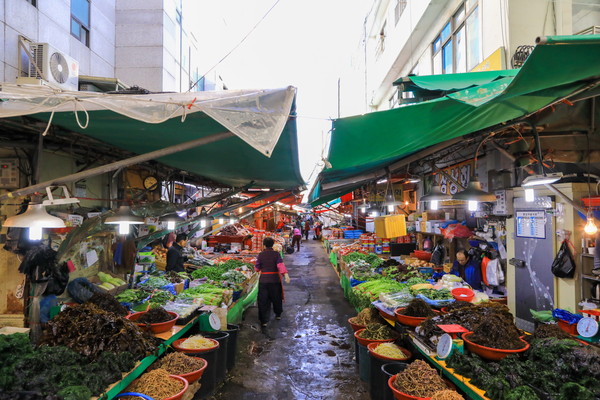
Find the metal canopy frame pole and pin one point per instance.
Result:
(118, 164)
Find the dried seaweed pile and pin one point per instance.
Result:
(494, 332)
(469, 317)
(367, 316)
(419, 380)
(154, 316)
(178, 363)
(91, 331)
(156, 384)
(457, 305)
(418, 308)
(108, 302)
(549, 330)
(377, 331)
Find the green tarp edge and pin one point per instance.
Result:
(449, 82)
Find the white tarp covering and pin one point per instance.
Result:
(255, 116)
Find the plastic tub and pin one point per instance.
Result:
(463, 294)
(154, 328)
(223, 338)
(193, 376)
(355, 326)
(571, 329)
(366, 342)
(232, 345)
(387, 370)
(407, 320)
(364, 363)
(377, 379)
(490, 353)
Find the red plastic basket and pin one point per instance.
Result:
(571, 329)
(593, 201)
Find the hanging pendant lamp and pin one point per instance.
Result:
(35, 218)
(172, 220)
(123, 217)
(473, 194)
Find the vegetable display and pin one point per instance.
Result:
(419, 380)
(367, 316)
(90, 331)
(362, 295)
(132, 296)
(156, 384)
(154, 282)
(446, 395)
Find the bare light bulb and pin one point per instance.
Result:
(590, 227)
(203, 223)
(435, 204)
(390, 208)
(472, 205)
(123, 228)
(362, 209)
(221, 221)
(35, 233)
(170, 225)
(529, 195)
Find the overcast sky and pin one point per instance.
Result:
(302, 43)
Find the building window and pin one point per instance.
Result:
(80, 20)
(457, 47)
(398, 10)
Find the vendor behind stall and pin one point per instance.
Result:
(175, 257)
(467, 268)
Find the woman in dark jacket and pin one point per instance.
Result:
(270, 289)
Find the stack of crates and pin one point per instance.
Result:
(390, 226)
(352, 234)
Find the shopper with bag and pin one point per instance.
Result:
(270, 289)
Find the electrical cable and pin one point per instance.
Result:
(237, 45)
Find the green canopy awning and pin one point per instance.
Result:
(453, 82)
(263, 148)
(556, 68)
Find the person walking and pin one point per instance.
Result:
(306, 229)
(270, 289)
(296, 238)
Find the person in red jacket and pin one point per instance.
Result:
(270, 289)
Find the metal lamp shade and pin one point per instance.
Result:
(34, 217)
(473, 192)
(436, 194)
(124, 216)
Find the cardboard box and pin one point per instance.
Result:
(390, 226)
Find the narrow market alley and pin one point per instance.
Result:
(308, 354)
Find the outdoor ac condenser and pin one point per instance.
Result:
(53, 66)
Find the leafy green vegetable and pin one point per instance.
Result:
(522, 393)
(75, 393)
(434, 294)
(132, 296)
(572, 390)
(154, 282)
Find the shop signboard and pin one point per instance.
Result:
(461, 173)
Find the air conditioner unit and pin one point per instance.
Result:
(56, 68)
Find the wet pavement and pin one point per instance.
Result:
(309, 353)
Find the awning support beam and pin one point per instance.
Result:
(118, 164)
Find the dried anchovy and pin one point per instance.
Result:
(419, 380)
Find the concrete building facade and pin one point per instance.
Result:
(147, 43)
(403, 37)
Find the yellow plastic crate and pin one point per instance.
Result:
(390, 226)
